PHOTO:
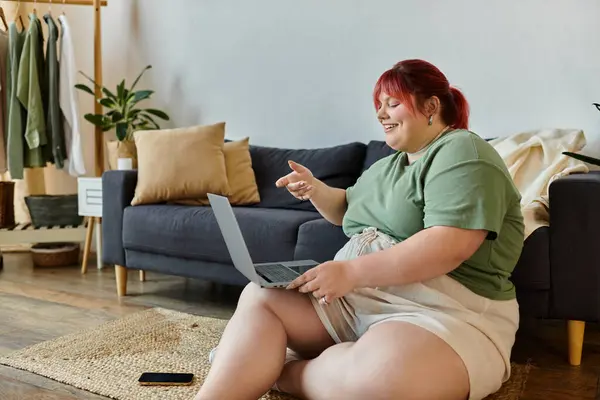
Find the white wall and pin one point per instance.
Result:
(300, 73)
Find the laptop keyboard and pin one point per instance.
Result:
(276, 273)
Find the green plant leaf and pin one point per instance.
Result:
(99, 120)
(107, 102)
(110, 94)
(121, 131)
(132, 116)
(125, 96)
(117, 116)
(160, 114)
(96, 119)
(581, 157)
(104, 89)
(85, 88)
(141, 126)
(107, 127)
(597, 106)
(89, 79)
(120, 88)
(139, 76)
(130, 97)
(149, 119)
(141, 95)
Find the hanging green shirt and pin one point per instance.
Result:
(29, 92)
(460, 181)
(15, 128)
(54, 127)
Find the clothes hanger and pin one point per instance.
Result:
(20, 19)
(35, 7)
(3, 17)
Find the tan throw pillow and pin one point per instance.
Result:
(240, 175)
(182, 163)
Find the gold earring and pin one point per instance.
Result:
(431, 120)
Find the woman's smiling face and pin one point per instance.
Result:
(402, 128)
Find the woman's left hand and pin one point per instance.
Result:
(330, 280)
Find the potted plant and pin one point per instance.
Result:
(124, 115)
(581, 157)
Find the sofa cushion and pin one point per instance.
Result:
(180, 163)
(192, 232)
(240, 175)
(319, 240)
(376, 150)
(533, 268)
(337, 166)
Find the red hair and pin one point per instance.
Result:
(421, 80)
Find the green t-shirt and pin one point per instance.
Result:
(460, 181)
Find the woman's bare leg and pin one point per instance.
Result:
(252, 349)
(393, 360)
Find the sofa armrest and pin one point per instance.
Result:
(574, 247)
(118, 189)
(319, 240)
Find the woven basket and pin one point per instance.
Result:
(55, 254)
(53, 210)
(7, 204)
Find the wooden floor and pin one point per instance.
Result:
(41, 304)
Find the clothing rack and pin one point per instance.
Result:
(97, 4)
(25, 233)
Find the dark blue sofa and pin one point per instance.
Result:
(185, 240)
(558, 274)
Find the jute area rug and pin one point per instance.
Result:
(108, 359)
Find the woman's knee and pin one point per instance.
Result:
(256, 296)
(253, 294)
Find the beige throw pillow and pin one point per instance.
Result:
(240, 175)
(182, 163)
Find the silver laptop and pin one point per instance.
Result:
(268, 275)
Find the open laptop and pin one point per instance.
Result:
(268, 275)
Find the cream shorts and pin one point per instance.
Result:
(480, 330)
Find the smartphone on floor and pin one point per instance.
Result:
(165, 379)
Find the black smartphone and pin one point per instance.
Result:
(165, 379)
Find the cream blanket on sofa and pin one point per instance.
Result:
(534, 160)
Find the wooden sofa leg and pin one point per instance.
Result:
(575, 331)
(142, 275)
(121, 275)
